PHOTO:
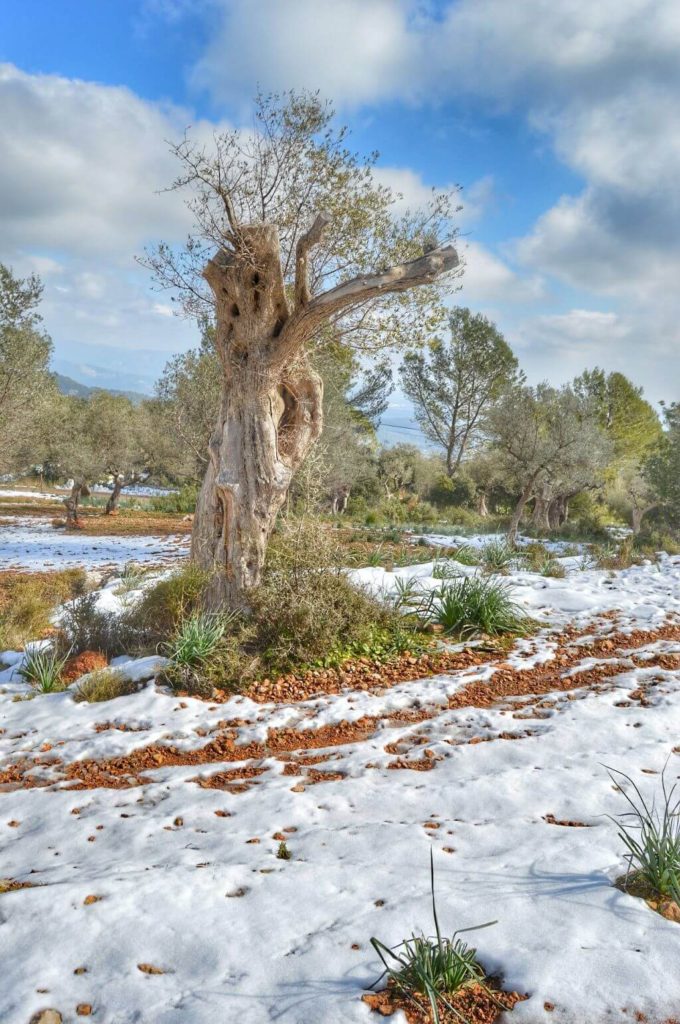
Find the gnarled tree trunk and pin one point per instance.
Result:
(539, 517)
(112, 503)
(271, 407)
(78, 491)
(270, 416)
(516, 518)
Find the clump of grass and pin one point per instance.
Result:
(195, 639)
(104, 684)
(651, 834)
(435, 967)
(445, 570)
(28, 600)
(42, 668)
(537, 558)
(621, 556)
(497, 556)
(131, 578)
(181, 501)
(474, 604)
(465, 554)
(283, 853)
(202, 654)
(553, 568)
(405, 593)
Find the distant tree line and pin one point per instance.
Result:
(496, 445)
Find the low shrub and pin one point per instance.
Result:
(164, 605)
(651, 834)
(181, 501)
(435, 967)
(84, 627)
(475, 604)
(42, 668)
(104, 684)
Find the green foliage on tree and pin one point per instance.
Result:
(25, 384)
(455, 383)
(662, 469)
(629, 420)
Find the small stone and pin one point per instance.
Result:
(89, 900)
(80, 970)
(178, 822)
(150, 969)
(47, 1017)
(84, 1009)
(670, 910)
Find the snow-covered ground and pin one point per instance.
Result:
(187, 881)
(58, 493)
(32, 543)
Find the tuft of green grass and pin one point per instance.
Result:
(474, 604)
(42, 668)
(651, 834)
(195, 639)
(283, 853)
(466, 555)
(131, 578)
(436, 967)
(445, 570)
(497, 556)
(104, 684)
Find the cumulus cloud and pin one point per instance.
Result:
(488, 278)
(81, 167)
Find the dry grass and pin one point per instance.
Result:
(104, 684)
(27, 601)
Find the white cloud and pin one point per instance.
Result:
(488, 278)
(81, 167)
(353, 50)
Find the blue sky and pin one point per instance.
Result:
(560, 119)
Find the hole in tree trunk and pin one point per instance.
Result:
(255, 280)
(278, 327)
(235, 311)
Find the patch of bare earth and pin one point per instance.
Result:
(635, 885)
(475, 1004)
(507, 687)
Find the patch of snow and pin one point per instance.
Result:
(31, 543)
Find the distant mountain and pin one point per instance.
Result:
(111, 368)
(69, 386)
